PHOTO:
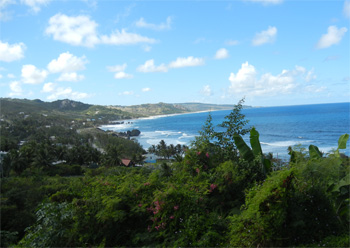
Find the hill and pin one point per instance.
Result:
(153, 109)
(195, 107)
(171, 108)
(76, 110)
(62, 108)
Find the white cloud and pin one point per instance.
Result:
(185, 62)
(143, 24)
(222, 53)
(310, 76)
(146, 89)
(247, 82)
(32, 75)
(78, 30)
(266, 2)
(121, 75)
(265, 36)
(244, 79)
(10, 75)
(60, 93)
(67, 62)
(125, 38)
(48, 87)
(16, 89)
(35, 5)
(333, 36)
(70, 77)
(117, 68)
(9, 53)
(206, 91)
(150, 67)
(346, 9)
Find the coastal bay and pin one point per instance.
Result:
(279, 127)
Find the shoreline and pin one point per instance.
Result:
(162, 115)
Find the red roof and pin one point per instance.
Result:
(126, 162)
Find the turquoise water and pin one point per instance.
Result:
(279, 127)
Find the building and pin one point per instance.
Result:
(151, 158)
(127, 162)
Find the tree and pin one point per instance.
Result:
(13, 161)
(206, 135)
(233, 125)
(162, 149)
(113, 156)
(221, 143)
(43, 156)
(152, 149)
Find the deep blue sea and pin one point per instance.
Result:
(279, 127)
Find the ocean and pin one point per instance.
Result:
(279, 127)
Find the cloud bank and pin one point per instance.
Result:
(82, 31)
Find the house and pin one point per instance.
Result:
(127, 162)
(150, 158)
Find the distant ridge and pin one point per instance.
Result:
(76, 109)
(62, 108)
(172, 108)
(194, 106)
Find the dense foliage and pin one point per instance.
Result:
(167, 151)
(222, 193)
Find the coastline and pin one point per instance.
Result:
(163, 115)
(182, 129)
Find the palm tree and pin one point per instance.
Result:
(13, 161)
(112, 156)
(43, 157)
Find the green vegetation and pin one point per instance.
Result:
(168, 108)
(167, 151)
(222, 192)
(69, 110)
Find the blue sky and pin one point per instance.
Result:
(272, 52)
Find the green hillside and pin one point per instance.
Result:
(153, 109)
(100, 114)
(61, 108)
(193, 106)
(172, 108)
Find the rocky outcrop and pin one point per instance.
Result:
(127, 134)
(134, 132)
